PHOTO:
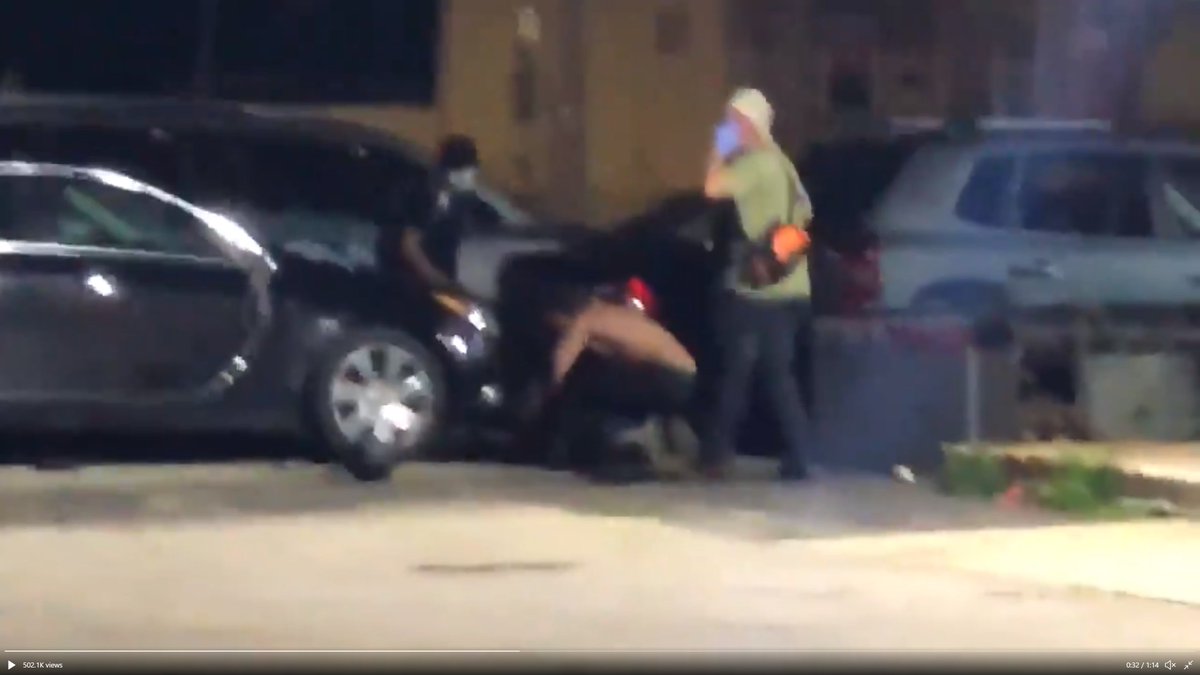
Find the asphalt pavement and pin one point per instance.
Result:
(278, 552)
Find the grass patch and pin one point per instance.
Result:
(1083, 485)
(973, 472)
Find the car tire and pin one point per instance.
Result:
(377, 399)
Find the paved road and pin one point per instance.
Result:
(278, 555)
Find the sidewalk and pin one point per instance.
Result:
(509, 576)
(1154, 560)
(1152, 471)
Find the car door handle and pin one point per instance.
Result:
(1039, 269)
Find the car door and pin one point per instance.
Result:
(1094, 205)
(1047, 214)
(132, 299)
(1174, 272)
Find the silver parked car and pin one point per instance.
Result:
(1039, 217)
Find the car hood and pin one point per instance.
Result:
(482, 256)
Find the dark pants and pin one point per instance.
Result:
(633, 389)
(758, 339)
(600, 392)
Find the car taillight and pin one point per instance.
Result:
(639, 295)
(863, 282)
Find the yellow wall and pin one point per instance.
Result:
(649, 117)
(475, 83)
(1170, 96)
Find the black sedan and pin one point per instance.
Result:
(127, 307)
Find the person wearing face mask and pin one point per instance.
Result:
(763, 309)
(431, 247)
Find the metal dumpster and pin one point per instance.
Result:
(893, 391)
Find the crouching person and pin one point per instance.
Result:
(620, 395)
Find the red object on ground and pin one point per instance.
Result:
(1013, 497)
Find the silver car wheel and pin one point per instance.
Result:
(382, 398)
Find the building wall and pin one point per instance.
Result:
(1169, 95)
(656, 79)
(772, 46)
(624, 93)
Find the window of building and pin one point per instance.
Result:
(325, 51)
(300, 51)
(143, 48)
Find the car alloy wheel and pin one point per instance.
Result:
(382, 399)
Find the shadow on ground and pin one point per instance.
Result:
(132, 480)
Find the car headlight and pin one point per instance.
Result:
(477, 315)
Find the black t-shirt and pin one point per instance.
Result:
(456, 213)
(442, 233)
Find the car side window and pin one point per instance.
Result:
(1092, 195)
(80, 212)
(985, 197)
(1181, 192)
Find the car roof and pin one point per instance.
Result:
(301, 121)
(1040, 141)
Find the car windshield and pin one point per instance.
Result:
(1181, 190)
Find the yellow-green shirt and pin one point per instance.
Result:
(763, 184)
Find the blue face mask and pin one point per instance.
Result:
(728, 139)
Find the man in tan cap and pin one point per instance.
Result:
(759, 322)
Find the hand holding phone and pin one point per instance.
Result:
(727, 140)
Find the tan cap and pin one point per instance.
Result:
(754, 106)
